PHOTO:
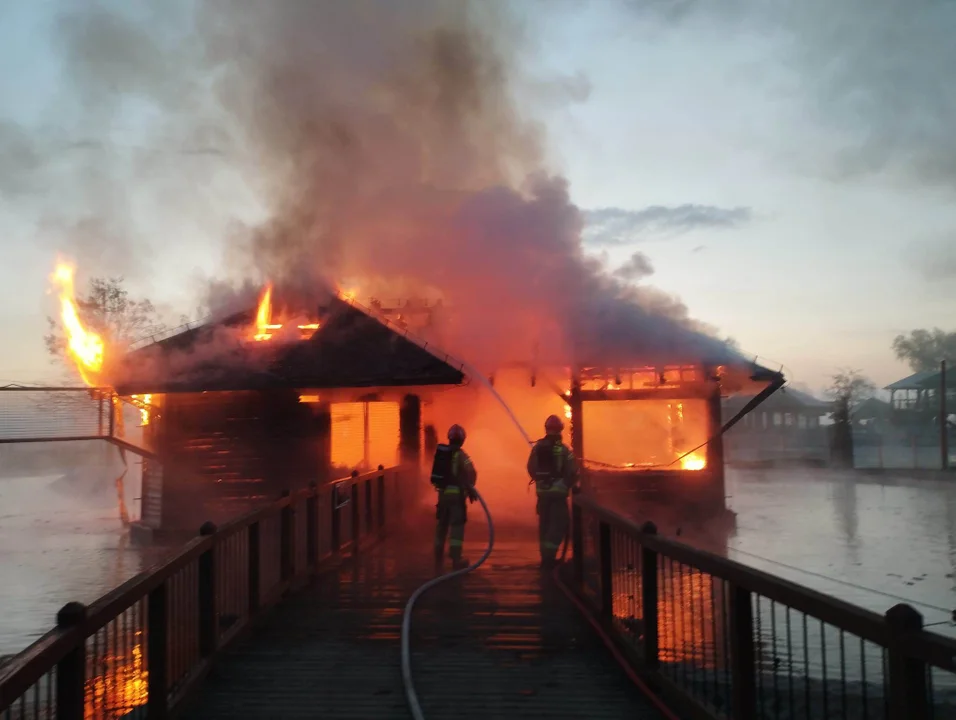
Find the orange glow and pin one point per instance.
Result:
(364, 434)
(143, 402)
(265, 328)
(690, 614)
(645, 434)
(693, 462)
(84, 347)
(121, 682)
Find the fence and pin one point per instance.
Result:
(71, 414)
(722, 640)
(137, 650)
(902, 450)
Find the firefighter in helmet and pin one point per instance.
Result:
(554, 473)
(454, 477)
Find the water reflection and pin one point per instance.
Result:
(118, 677)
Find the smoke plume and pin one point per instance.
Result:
(383, 142)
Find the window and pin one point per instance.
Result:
(364, 434)
(643, 433)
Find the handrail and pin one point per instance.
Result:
(213, 587)
(750, 631)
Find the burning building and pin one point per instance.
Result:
(262, 401)
(649, 432)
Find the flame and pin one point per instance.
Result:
(144, 402)
(85, 347)
(693, 462)
(265, 328)
(567, 412)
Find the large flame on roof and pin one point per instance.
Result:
(84, 346)
(265, 328)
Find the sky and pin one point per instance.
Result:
(787, 170)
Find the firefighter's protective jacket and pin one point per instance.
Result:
(453, 472)
(552, 467)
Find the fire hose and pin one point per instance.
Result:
(410, 695)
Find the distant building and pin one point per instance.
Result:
(788, 428)
(915, 399)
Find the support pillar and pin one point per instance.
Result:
(410, 430)
(715, 448)
(577, 424)
(943, 414)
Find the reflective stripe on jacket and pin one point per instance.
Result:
(552, 467)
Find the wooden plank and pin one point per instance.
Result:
(501, 642)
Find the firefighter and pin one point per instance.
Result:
(553, 471)
(454, 477)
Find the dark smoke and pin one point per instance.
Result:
(387, 144)
(637, 266)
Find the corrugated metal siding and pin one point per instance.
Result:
(364, 434)
(348, 434)
(383, 431)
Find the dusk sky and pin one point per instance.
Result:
(790, 174)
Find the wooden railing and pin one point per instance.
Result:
(719, 639)
(138, 650)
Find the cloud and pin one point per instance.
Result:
(872, 77)
(617, 226)
(637, 266)
(935, 259)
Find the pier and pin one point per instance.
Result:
(294, 610)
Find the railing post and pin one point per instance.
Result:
(604, 570)
(157, 655)
(907, 675)
(286, 540)
(99, 416)
(71, 670)
(649, 599)
(577, 545)
(208, 625)
(336, 531)
(369, 510)
(381, 497)
(743, 668)
(254, 567)
(312, 529)
(356, 514)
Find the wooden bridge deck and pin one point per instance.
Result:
(502, 642)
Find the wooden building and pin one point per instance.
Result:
(645, 418)
(789, 428)
(236, 416)
(915, 398)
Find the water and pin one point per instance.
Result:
(61, 539)
(864, 539)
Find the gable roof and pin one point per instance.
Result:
(351, 349)
(914, 381)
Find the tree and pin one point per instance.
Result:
(925, 349)
(107, 310)
(848, 389)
